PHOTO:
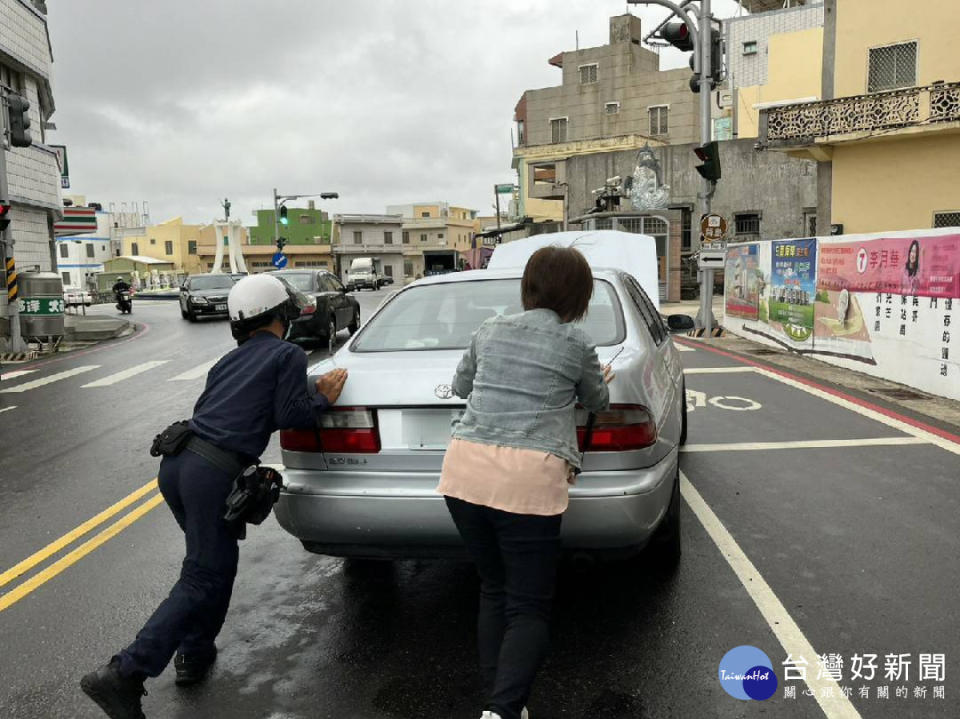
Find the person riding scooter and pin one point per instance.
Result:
(121, 290)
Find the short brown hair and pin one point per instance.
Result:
(558, 279)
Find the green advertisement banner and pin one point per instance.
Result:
(41, 306)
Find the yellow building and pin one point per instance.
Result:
(175, 241)
(432, 230)
(886, 131)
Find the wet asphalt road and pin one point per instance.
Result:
(857, 542)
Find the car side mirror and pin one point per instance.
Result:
(680, 323)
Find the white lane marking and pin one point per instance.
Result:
(683, 348)
(793, 641)
(51, 378)
(7, 409)
(802, 444)
(695, 399)
(718, 370)
(16, 373)
(904, 427)
(195, 373)
(724, 402)
(125, 374)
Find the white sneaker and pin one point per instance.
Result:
(524, 714)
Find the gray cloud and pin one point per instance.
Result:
(181, 103)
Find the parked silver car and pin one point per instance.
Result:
(363, 484)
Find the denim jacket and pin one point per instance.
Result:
(522, 377)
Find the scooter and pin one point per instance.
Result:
(125, 301)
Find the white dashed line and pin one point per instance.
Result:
(7, 409)
(195, 373)
(48, 380)
(125, 374)
(16, 373)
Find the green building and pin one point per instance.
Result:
(305, 226)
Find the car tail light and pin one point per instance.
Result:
(348, 430)
(622, 427)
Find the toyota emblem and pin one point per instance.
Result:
(443, 391)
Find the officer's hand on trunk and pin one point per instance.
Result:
(330, 385)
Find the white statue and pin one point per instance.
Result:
(647, 191)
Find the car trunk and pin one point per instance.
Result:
(413, 427)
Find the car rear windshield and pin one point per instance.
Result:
(219, 282)
(302, 281)
(445, 316)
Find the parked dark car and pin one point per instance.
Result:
(205, 296)
(334, 310)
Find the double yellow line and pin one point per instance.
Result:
(74, 556)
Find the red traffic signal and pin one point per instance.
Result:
(678, 35)
(4, 214)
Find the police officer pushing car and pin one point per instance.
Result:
(250, 393)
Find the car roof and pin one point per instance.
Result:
(628, 252)
(488, 274)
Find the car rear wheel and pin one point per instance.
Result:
(354, 323)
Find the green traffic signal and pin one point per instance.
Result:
(283, 215)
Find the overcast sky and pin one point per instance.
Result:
(389, 102)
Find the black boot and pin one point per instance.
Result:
(193, 668)
(118, 696)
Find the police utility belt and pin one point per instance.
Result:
(256, 488)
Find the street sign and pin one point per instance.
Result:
(279, 260)
(713, 227)
(61, 151)
(504, 189)
(712, 259)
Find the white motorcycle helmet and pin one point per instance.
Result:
(255, 301)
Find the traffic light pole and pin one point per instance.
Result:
(6, 241)
(704, 41)
(701, 35)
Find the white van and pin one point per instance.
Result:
(365, 272)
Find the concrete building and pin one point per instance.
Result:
(886, 127)
(611, 98)
(80, 257)
(258, 258)
(432, 233)
(377, 236)
(173, 241)
(33, 173)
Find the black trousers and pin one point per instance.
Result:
(516, 556)
(191, 617)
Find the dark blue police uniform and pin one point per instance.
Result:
(252, 392)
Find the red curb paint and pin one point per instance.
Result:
(942, 433)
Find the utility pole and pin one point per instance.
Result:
(7, 242)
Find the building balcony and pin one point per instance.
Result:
(913, 110)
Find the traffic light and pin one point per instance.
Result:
(678, 35)
(4, 214)
(281, 243)
(283, 215)
(709, 155)
(19, 120)
(716, 63)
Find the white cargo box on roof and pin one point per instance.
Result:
(604, 249)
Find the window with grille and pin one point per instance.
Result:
(64, 250)
(747, 223)
(134, 248)
(686, 228)
(612, 108)
(191, 247)
(558, 130)
(946, 219)
(423, 238)
(168, 247)
(357, 237)
(588, 74)
(90, 249)
(658, 120)
(406, 237)
(892, 67)
(388, 238)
